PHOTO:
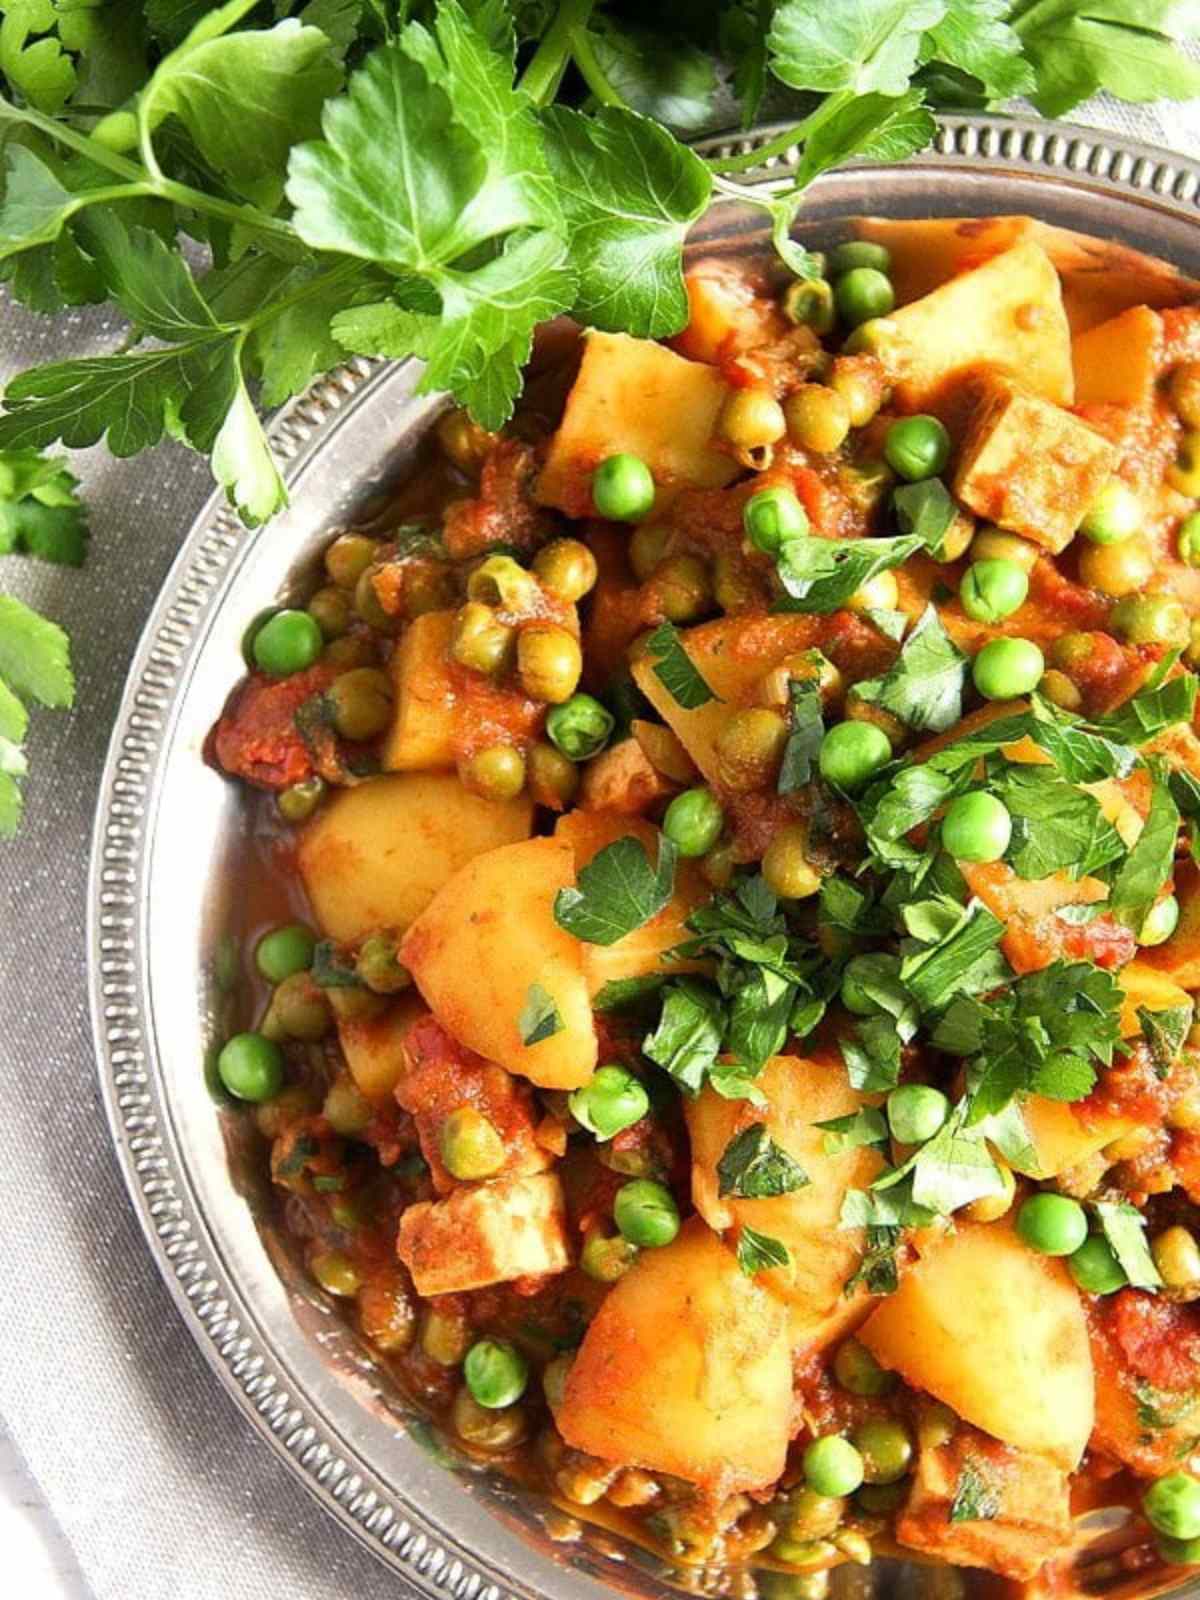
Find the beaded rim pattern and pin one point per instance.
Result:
(404, 1535)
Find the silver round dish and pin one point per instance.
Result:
(163, 881)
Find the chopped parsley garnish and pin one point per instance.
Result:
(821, 574)
(676, 670)
(806, 729)
(854, 1131)
(1165, 1033)
(924, 686)
(539, 1017)
(975, 1499)
(1124, 1226)
(617, 891)
(754, 1167)
(759, 1252)
(1146, 868)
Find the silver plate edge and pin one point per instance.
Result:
(133, 1090)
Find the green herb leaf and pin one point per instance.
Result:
(975, 1498)
(872, 1054)
(872, 127)
(675, 670)
(629, 192)
(1056, 827)
(854, 1131)
(40, 513)
(754, 1167)
(924, 686)
(975, 37)
(820, 575)
(933, 976)
(621, 994)
(870, 46)
(1063, 1076)
(759, 1252)
(617, 891)
(1078, 47)
(667, 77)
(1124, 1227)
(877, 1270)
(539, 1017)
(805, 732)
(688, 1037)
(1165, 1032)
(926, 509)
(1148, 865)
(1151, 712)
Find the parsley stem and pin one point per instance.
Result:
(314, 285)
(783, 142)
(550, 60)
(592, 73)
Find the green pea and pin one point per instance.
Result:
(284, 951)
(885, 1448)
(915, 1112)
(1189, 540)
(864, 973)
(859, 253)
(607, 1259)
(1172, 1506)
(993, 590)
(496, 1373)
(917, 447)
(646, 1213)
(881, 1499)
(1005, 668)
(470, 1146)
(580, 727)
(251, 1067)
(299, 802)
(1160, 921)
(612, 1099)
(857, 1370)
(1179, 1552)
(693, 821)
(1052, 1225)
(976, 827)
(832, 1466)
(1095, 1268)
(809, 303)
(623, 488)
(1115, 514)
(1151, 619)
(288, 642)
(852, 752)
(771, 517)
(336, 1273)
(862, 294)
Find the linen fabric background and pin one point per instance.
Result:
(161, 1487)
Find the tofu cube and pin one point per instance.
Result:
(1029, 466)
(489, 1233)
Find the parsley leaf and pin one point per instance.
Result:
(926, 509)
(867, 1126)
(1078, 47)
(40, 513)
(1151, 712)
(877, 1270)
(759, 1252)
(539, 1017)
(754, 1167)
(34, 665)
(870, 46)
(820, 575)
(1165, 1032)
(1148, 865)
(629, 192)
(688, 1037)
(675, 670)
(617, 891)
(975, 1499)
(924, 686)
(975, 37)
(934, 975)
(806, 730)
(620, 994)
(872, 127)
(1056, 827)
(1124, 1227)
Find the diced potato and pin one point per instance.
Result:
(686, 1369)
(801, 1093)
(641, 952)
(621, 778)
(490, 934)
(1117, 363)
(375, 855)
(637, 396)
(1006, 314)
(1030, 1517)
(1033, 936)
(997, 1333)
(489, 1233)
(1030, 466)
(1122, 1429)
(422, 735)
(732, 654)
(664, 751)
(726, 313)
(374, 1046)
(1063, 1139)
(927, 252)
(1147, 989)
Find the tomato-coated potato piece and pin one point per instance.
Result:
(1118, 362)
(637, 397)
(801, 1094)
(1006, 314)
(374, 856)
(686, 1369)
(422, 732)
(374, 1046)
(487, 937)
(997, 1332)
(727, 312)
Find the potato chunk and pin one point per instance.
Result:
(686, 1369)
(997, 1332)
(1030, 466)
(1118, 362)
(731, 654)
(1060, 1137)
(421, 737)
(801, 1094)
(374, 856)
(637, 396)
(490, 934)
(374, 1046)
(1006, 314)
(489, 1233)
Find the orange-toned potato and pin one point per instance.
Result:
(996, 1332)
(1062, 1138)
(641, 952)
(622, 778)
(727, 313)
(1146, 989)
(685, 1369)
(374, 856)
(1117, 363)
(1006, 314)
(490, 934)
(801, 1094)
(422, 733)
(374, 1046)
(732, 654)
(637, 396)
